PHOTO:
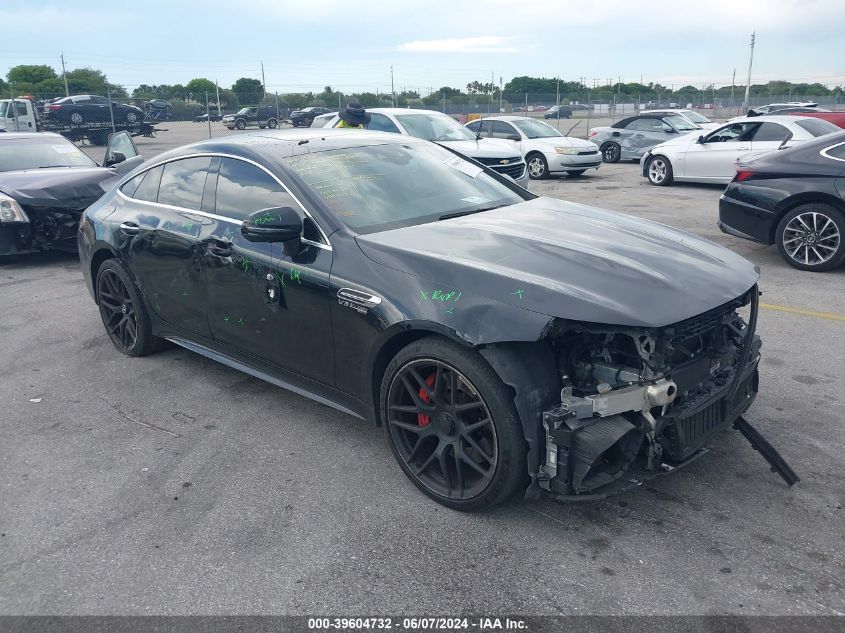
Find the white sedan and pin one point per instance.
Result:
(546, 150)
(710, 157)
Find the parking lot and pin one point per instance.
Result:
(173, 485)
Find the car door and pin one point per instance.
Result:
(505, 131)
(713, 159)
(262, 299)
(156, 226)
(100, 109)
(769, 136)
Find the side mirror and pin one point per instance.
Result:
(700, 139)
(513, 137)
(670, 130)
(276, 224)
(115, 158)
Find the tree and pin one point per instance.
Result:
(201, 86)
(92, 81)
(248, 90)
(30, 74)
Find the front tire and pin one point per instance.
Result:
(131, 116)
(76, 118)
(611, 152)
(123, 311)
(272, 124)
(240, 124)
(659, 171)
(538, 168)
(452, 425)
(810, 237)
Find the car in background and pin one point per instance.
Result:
(323, 120)
(630, 138)
(158, 110)
(837, 118)
(500, 156)
(46, 182)
(546, 150)
(710, 157)
(266, 116)
(558, 112)
(506, 343)
(206, 116)
(305, 117)
(691, 115)
(795, 199)
(774, 107)
(81, 109)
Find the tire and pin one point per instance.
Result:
(240, 124)
(538, 168)
(76, 118)
(576, 172)
(272, 124)
(307, 122)
(262, 127)
(131, 116)
(659, 171)
(611, 152)
(123, 311)
(467, 458)
(812, 237)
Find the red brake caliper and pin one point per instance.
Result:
(422, 419)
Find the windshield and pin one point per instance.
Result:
(32, 153)
(681, 123)
(536, 129)
(243, 111)
(695, 117)
(818, 127)
(434, 127)
(381, 187)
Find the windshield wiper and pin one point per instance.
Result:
(50, 166)
(458, 214)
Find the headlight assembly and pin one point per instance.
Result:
(10, 210)
(566, 150)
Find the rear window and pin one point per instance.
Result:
(817, 127)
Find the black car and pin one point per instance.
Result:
(81, 109)
(558, 112)
(46, 182)
(305, 116)
(794, 198)
(503, 340)
(206, 116)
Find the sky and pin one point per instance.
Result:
(352, 44)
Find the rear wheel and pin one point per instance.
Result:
(452, 426)
(810, 237)
(272, 124)
(659, 171)
(123, 311)
(538, 168)
(76, 118)
(131, 116)
(611, 152)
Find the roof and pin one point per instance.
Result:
(771, 118)
(10, 136)
(508, 117)
(395, 111)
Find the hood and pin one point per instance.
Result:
(571, 261)
(73, 188)
(682, 140)
(564, 141)
(484, 148)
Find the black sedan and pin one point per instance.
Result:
(46, 182)
(503, 340)
(81, 109)
(794, 198)
(305, 116)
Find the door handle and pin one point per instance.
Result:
(218, 248)
(129, 228)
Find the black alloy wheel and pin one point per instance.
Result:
(611, 152)
(123, 312)
(458, 440)
(811, 237)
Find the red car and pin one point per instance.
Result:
(837, 118)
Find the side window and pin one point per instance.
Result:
(771, 132)
(382, 123)
(732, 133)
(144, 186)
(243, 188)
(99, 100)
(474, 126)
(502, 129)
(633, 125)
(182, 182)
(837, 152)
(82, 99)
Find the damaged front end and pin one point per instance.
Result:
(31, 228)
(638, 402)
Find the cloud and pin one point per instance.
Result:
(481, 44)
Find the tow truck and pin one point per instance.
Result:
(22, 115)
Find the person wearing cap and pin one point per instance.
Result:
(353, 116)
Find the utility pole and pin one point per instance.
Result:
(557, 102)
(392, 91)
(745, 103)
(263, 82)
(64, 76)
(733, 83)
(500, 94)
(217, 87)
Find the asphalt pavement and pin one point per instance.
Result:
(174, 485)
